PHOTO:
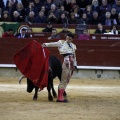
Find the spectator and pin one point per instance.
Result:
(16, 17)
(54, 35)
(43, 10)
(66, 4)
(82, 4)
(8, 33)
(30, 8)
(108, 21)
(52, 18)
(83, 20)
(116, 6)
(25, 3)
(111, 2)
(41, 18)
(62, 10)
(114, 14)
(9, 7)
(72, 19)
(2, 5)
(49, 28)
(95, 19)
(104, 7)
(63, 19)
(73, 6)
(65, 29)
(95, 5)
(100, 29)
(58, 3)
(76, 11)
(29, 30)
(37, 5)
(114, 30)
(30, 18)
(118, 19)
(54, 10)
(5, 17)
(47, 5)
(21, 11)
(88, 11)
(84, 36)
(23, 34)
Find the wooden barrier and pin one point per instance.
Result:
(48, 34)
(89, 53)
(104, 37)
(38, 27)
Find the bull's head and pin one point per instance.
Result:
(30, 85)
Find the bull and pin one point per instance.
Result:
(55, 70)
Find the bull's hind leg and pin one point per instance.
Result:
(65, 94)
(54, 92)
(50, 97)
(50, 82)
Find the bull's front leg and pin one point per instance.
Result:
(35, 97)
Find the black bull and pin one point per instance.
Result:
(55, 71)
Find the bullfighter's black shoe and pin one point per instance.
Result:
(65, 101)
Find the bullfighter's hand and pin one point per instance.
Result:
(43, 45)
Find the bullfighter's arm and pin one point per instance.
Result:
(52, 44)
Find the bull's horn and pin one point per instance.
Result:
(20, 79)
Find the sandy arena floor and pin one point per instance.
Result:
(89, 100)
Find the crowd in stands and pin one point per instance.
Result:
(84, 12)
(106, 12)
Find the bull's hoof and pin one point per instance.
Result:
(55, 96)
(50, 98)
(65, 101)
(34, 99)
(64, 94)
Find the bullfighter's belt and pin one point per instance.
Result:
(67, 54)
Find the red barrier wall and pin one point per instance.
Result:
(89, 53)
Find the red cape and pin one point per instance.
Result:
(33, 62)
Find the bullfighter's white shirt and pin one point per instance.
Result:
(64, 48)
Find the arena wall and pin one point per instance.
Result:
(96, 58)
